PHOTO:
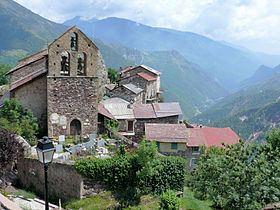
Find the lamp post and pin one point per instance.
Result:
(45, 151)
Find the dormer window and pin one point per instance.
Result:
(65, 67)
(74, 38)
(81, 64)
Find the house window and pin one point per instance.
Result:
(81, 67)
(65, 67)
(158, 144)
(195, 149)
(174, 146)
(193, 161)
(130, 126)
(74, 38)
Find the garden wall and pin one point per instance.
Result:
(64, 182)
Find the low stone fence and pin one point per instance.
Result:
(64, 182)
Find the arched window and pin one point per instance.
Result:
(81, 64)
(65, 64)
(75, 127)
(74, 40)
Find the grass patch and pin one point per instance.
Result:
(147, 202)
(101, 201)
(188, 201)
(25, 194)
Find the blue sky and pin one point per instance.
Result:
(254, 24)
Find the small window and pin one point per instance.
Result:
(195, 149)
(158, 144)
(130, 126)
(74, 38)
(174, 146)
(65, 67)
(81, 67)
(193, 161)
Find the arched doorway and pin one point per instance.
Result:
(75, 127)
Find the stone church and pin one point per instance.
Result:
(62, 85)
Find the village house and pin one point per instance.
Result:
(132, 117)
(129, 92)
(62, 85)
(178, 140)
(143, 83)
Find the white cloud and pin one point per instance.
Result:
(252, 23)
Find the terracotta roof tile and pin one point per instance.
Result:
(105, 112)
(209, 136)
(144, 111)
(146, 76)
(166, 132)
(167, 109)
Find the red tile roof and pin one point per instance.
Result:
(146, 76)
(144, 111)
(104, 112)
(166, 132)
(209, 136)
(167, 109)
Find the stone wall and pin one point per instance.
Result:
(149, 87)
(139, 125)
(64, 182)
(128, 95)
(72, 98)
(28, 70)
(33, 96)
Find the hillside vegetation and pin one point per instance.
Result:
(23, 32)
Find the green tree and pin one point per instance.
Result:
(3, 70)
(113, 75)
(22, 122)
(238, 177)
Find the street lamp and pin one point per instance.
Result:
(45, 151)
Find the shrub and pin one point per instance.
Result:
(169, 200)
(150, 175)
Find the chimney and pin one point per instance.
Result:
(130, 105)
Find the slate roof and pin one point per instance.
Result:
(120, 110)
(167, 109)
(209, 136)
(144, 111)
(104, 112)
(6, 95)
(146, 76)
(176, 133)
(133, 88)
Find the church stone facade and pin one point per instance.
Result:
(63, 84)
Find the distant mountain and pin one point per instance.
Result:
(23, 32)
(181, 80)
(253, 98)
(262, 73)
(226, 64)
(252, 124)
(28, 33)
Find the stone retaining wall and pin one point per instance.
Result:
(64, 182)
